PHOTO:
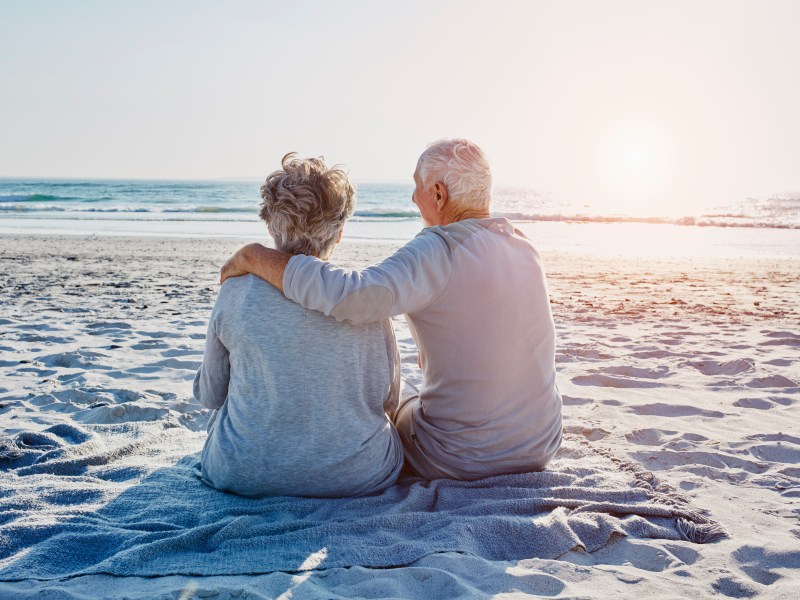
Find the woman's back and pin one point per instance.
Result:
(306, 398)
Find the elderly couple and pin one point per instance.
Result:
(301, 361)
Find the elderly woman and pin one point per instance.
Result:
(301, 397)
(474, 292)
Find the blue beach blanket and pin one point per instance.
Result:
(126, 500)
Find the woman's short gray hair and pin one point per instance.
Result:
(305, 205)
(462, 167)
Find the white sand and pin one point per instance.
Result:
(690, 367)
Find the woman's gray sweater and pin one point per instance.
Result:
(301, 398)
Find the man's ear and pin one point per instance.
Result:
(442, 196)
(339, 237)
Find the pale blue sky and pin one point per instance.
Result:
(669, 102)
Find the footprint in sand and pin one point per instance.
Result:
(120, 413)
(174, 363)
(683, 553)
(52, 404)
(734, 588)
(780, 334)
(716, 465)
(578, 353)
(82, 397)
(775, 437)
(756, 403)
(38, 327)
(650, 437)
(790, 472)
(779, 452)
(74, 378)
(573, 401)
(782, 400)
(781, 338)
(181, 352)
(601, 380)
(640, 554)
(658, 353)
(610, 402)
(77, 359)
(779, 362)
(590, 433)
(105, 327)
(123, 395)
(50, 339)
(757, 562)
(150, 345)
(660, 437)
(730, 367)
(75, 310)
(791, 342)
(764, 403)
(161, 334)
(660, 409)
(643, 373)
(773, 381)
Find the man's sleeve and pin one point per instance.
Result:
(211, 382)
(406, 282)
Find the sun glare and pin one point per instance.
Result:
(635, 166)
(636, 160)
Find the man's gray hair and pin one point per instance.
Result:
(305, 205)
(462, 167)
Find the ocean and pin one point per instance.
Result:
(752, 227)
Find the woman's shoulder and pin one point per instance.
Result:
(236, 287)
(248, 295)
(251, 298)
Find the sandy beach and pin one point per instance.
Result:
(688, 368)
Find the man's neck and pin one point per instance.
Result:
(463, 215)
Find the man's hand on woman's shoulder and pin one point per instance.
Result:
(259, 260)
(236, 265)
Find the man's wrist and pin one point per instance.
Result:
(249, 256)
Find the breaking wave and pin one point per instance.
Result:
(238, 200)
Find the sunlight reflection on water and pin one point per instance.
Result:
(663, 241)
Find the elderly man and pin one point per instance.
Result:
(474, 293)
